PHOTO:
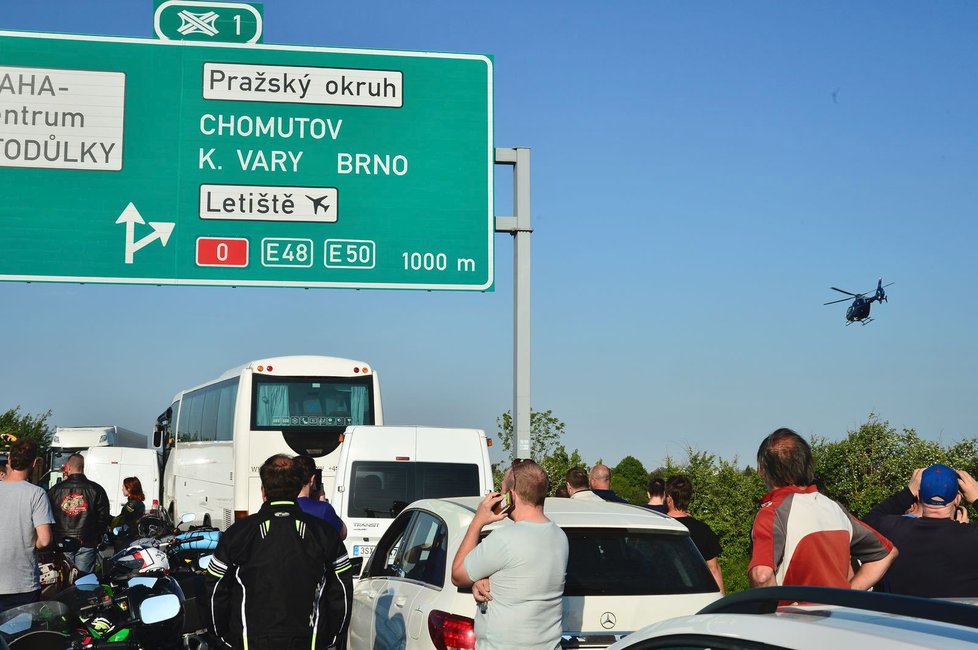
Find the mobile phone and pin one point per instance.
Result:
(504, 505)
(318, 485)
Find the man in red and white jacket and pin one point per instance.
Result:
(802, 537)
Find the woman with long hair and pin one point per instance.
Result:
(128, 519)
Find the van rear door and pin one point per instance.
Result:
(383, 469)
(108, 466)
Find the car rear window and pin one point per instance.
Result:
(382, 489)
(632, 562)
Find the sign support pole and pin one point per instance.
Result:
(519, 226)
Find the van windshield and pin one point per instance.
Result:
(631, 562)
(380, 489)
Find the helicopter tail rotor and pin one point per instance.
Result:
(880, 294)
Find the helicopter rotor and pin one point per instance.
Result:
(857, 295)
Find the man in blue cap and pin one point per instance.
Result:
(935, 550)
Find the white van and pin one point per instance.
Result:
(382, 469)
(107, 466)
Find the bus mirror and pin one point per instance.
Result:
(157, 436)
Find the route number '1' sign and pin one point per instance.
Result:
(158, 162)
(208, 22)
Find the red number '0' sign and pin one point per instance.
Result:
(222, 251)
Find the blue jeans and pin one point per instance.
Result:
(83, 559)
(7, 601)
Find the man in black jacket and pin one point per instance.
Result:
(935, 550)
(81, 512)
(280, 578)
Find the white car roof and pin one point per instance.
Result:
(571, 513)
(818, 629)
(856, 620)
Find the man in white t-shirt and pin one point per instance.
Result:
(524, 562)
(25, 525)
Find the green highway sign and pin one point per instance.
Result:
(211, 22)
(164, 162)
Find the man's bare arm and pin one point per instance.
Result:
(714, 567)
(872, 572)
(483, 516)
(44, 536)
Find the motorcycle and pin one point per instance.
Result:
(185, 552)
(53, 625)
(56, 572)
(176, 555)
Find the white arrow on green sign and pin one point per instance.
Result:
(244, 164)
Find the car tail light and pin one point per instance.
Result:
(451, 631)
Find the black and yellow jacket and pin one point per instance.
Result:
(280, 579)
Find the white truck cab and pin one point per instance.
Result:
(382, 469)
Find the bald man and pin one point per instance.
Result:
(81, 512)
(600, 480)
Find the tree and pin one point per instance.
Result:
(557, 464)
(545, 432)
(33, 427)
(876, 460)
(629, 480)
(546, 448)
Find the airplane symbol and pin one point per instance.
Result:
(318, 203)
(161, 230)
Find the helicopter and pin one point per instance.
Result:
(858, 311)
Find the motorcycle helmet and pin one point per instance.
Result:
(140, 559)
(151, 526)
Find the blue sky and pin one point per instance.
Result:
(702, 172)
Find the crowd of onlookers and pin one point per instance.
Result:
(910, 543)
(915, 542)
(31, 518)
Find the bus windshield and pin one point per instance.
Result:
(279, 402)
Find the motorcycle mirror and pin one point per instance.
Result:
(204, 560)
(159, 608)
(17, 624)
(187, 517)
(87, 579)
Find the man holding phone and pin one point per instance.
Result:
(311, 499)
(524, 562)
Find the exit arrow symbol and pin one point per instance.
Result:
(161, 230)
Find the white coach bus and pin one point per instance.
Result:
(215, 436)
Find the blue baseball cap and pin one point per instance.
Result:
(938, 485)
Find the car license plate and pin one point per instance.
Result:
(359, 550)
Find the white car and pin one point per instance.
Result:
(836, 619)
(628, 567)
